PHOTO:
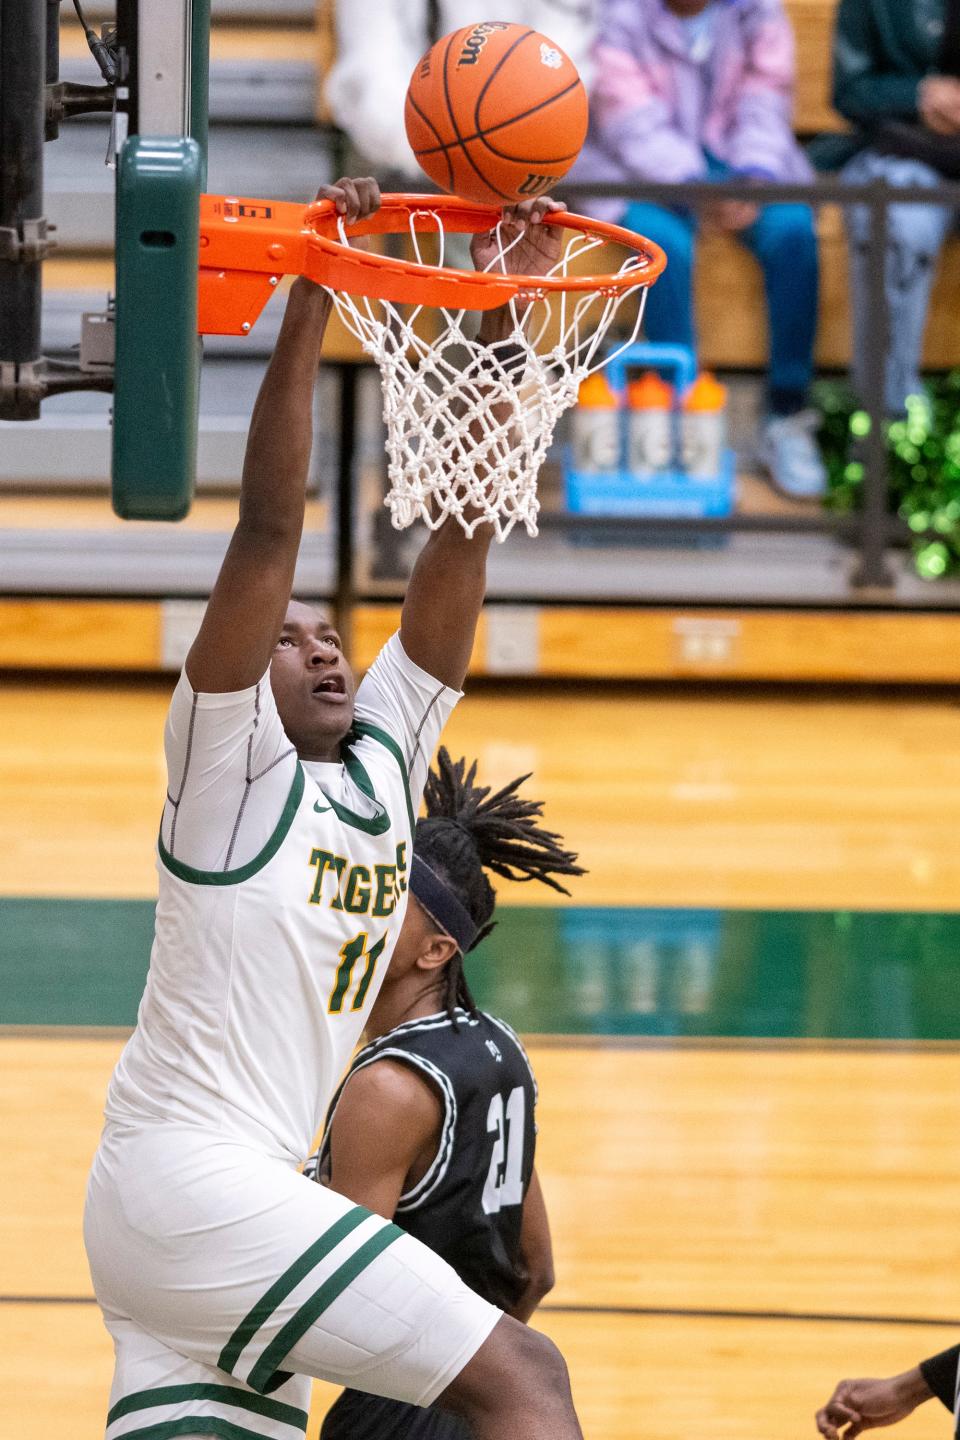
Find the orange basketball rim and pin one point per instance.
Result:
(246, 245)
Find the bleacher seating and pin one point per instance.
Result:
(733, 334)
(813, 27)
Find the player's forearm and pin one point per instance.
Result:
(913, 1388)
(447, 588)
(536, 1251)
(936, 1376)
(444, 600)
(497, 325)
(277, 457)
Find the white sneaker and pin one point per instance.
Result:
(788, 450)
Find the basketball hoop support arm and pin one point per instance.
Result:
(246, 245)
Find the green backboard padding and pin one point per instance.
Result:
(158, 352)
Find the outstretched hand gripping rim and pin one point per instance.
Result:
(468, 424)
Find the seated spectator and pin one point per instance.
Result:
(888, 57)
(368, 81)
(703, 90)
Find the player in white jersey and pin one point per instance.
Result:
(225, 1277)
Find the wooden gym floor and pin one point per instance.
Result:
(737, 1224)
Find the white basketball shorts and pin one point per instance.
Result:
(226, 1278)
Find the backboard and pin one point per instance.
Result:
(161, 169)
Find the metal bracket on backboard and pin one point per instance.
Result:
(25, 383)
(98, 340)
(164, 68)
(28, 244)
(22, 384)
(8, 387)
(65, 101)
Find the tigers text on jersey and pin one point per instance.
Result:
(468, 1205)
(270, 950)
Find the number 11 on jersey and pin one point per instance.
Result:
(354, 950)
(504, 1184)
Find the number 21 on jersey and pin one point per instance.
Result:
(504, 1184)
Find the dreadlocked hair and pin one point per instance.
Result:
(468, 831)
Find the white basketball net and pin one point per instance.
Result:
(469, 424)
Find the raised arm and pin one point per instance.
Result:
(245, 611)
(446, 589)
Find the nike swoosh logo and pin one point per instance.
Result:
(378, 810)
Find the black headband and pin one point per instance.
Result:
(442, 905)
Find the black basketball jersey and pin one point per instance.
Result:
(468, 1205)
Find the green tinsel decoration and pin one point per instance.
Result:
(923, 451)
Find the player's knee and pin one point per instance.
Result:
(785, 232)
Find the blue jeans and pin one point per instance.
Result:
(784, 241)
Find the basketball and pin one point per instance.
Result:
(496, 113)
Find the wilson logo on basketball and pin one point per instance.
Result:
(534, 184)
(475, 41)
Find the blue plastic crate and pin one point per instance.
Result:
(671, 495)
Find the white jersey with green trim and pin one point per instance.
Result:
(263, 972)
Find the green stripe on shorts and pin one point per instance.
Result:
(195, 1425)
(222, 1394)
(288, 1281)
(263, 1372)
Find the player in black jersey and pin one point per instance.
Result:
(433, 1126)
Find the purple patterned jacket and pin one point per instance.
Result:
(655, 112)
